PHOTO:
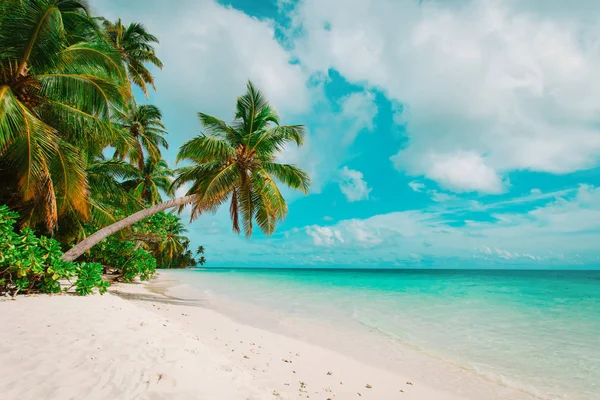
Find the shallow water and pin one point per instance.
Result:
(538, 331)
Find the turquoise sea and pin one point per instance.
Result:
(536, 331)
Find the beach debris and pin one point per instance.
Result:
(275, 393)
(245, 356)
(341, 383)
(409, 383)
(368, 386)
(286, 361)
(328, 390)
(329, 373)
(359, 394)
(160, 376)
(294, 372)
(401, 391)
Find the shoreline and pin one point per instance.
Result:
(152, 341)
(364, 344)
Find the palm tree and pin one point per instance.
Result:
(146, 130)
(58, 91)
(235, 162)
(202, 260)
(200, 250)
(173, 244)
(146, 184)
(107, 198)
(136, 47)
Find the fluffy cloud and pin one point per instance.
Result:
(324, 236)
(209, 51)
(487, 86)
(353, 186)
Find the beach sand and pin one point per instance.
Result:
(139, 342)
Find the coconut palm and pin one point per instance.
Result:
(147, 183)
(145, 133)
(58, 91)
(200, 250)
(202, 260)
(173, 244)
(230, 162)
(136, 47)
(107, 198)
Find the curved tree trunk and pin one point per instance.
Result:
(105, 232)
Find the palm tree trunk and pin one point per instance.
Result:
(105, 232)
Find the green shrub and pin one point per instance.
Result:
(122, 255)
(90, 277)
(32, 264)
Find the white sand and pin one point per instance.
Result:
(158, 347)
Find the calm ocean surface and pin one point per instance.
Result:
(538, 331)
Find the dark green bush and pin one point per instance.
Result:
(29, 263)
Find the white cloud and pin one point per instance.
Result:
(361, 110)
(416, 186)
(441, 197)
(209, 51)
(488, 86)
(324, 236)
(459, 172)
(556, 232)
(353, 185)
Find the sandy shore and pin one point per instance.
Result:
(139, 342)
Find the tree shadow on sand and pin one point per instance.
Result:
(164, 299)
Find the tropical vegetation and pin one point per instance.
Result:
(81, 163)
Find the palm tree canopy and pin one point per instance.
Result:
(136, 47)
(58, 92)
(145, 132)
(237, 162)
(146, 184)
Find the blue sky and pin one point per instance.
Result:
(442, 134)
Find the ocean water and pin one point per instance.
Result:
(535, 331)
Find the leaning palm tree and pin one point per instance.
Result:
(146, 130)
(136, 47)
(58, 92)
(145, 185)
(200, 250)
(230, 162)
